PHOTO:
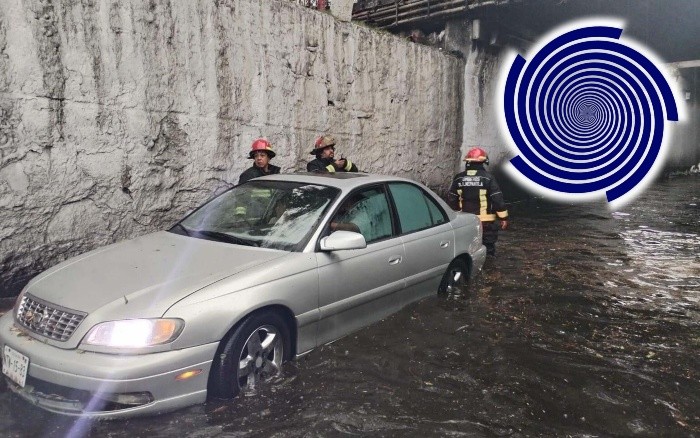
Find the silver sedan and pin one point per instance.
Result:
(258, 275)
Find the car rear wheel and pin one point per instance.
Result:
(252, 354)
(456, 278)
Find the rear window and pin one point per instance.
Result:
(416, 210)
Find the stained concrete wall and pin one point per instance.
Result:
(117, 116)
(684, 144)
(483, 63)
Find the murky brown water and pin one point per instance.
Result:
(587, 324)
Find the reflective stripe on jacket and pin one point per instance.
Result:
(326, 165)
(476, 191)
(255, 172)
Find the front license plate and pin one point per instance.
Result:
(15, 365)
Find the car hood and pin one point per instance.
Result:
(146, 275)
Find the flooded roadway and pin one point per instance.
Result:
(587, 324)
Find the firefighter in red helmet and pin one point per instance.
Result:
(324, 149)
(476, 191)
(261, 153)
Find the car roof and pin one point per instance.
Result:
(341, 180)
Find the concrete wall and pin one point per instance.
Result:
(684, 144)
(117, 116)
(482, 64)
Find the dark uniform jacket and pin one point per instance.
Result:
(255, 171)
(476, 191)
(326, 165)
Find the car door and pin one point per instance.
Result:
(428, 239)
(358, 287)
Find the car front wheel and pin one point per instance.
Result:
(252, 354)
(456, 278)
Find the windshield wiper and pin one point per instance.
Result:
(223, 237)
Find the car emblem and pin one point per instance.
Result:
(35, 319)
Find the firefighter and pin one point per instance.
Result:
(324, 149)
(261, 153)
(476, 191)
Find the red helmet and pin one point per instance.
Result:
(321, 143)
(477, 155)
(261, 144)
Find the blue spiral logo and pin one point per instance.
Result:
(587, 113)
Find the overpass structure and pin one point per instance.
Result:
(480, 30)
(668, 27)
(395, 14)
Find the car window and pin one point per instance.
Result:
(268, 214)
(436, 213)
(366, 212)
(415, 209)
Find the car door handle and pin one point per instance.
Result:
(444, 244)
(395, 260)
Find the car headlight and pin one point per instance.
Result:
(134, 333)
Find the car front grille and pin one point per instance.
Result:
(47, 319)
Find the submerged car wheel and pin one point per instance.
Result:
(455, 279)
(253, 353)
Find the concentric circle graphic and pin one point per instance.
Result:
(587, 113)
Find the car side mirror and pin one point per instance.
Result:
(340, 240)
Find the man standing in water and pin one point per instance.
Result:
(261, 153)
(476, 191)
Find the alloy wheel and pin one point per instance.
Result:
(261, 356)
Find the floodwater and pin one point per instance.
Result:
(586, 324)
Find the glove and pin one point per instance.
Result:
(504, 224)
(340, 163)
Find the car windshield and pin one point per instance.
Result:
(267, 214)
